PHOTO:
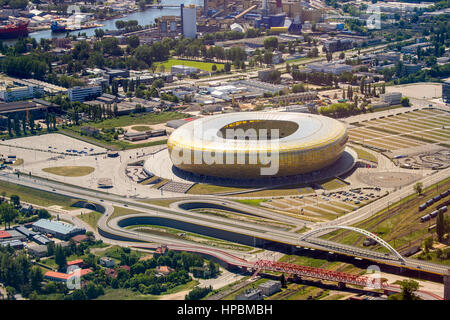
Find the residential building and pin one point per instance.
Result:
(21, 93)
(331, 67)
(412, 49)
(412, 68)
(84, 93)
(295, 97)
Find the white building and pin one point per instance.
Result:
(189, 21)
(21, 93)
(84, 93)
(334, 68)
(392, 98)
(184, 70)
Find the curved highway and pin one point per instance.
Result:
(257, 232)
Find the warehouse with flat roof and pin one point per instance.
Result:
(58, 229)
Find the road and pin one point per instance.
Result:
(262, 232)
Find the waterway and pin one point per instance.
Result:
(143, 18)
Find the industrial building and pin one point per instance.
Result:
(58, 229)
(446, 91)
(393, 98)
(189, 21)
(270, 287)
(184, 70)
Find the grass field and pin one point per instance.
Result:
(35, 196)
(194, 237)
(399, 225)
(127, 294)
(162, 203)
(202, 188)
(138, 119)
(70, 171)
(364, 155)
(112, 144)
(91, 218)
(205, 66)
(119, 211)
(141, 128)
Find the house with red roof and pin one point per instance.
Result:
(4, 235)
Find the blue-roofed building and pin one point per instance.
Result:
(58, 229)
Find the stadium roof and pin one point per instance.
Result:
(313, 131)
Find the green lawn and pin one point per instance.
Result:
(106, 140)
(364, 155)
(119, 211)
(70, 171)
(127, 294)
(35, 196)
(202, 188)
(91, 218)
(206, 66)
(400, 226)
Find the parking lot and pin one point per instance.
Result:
(408, 130)
(324, 205)
(55, 143)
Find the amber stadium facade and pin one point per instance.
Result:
(241, 145)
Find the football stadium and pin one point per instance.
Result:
(257, 144)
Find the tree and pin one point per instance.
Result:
(418, 188)
(428, 244)
(50, 248)
(408, 289)
(36, 277)
(8, 213)
(60, 257)
(271, 43)
(15, 201)
(440, 225)
(283, 281)
(405, 102)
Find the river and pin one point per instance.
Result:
(143, 18)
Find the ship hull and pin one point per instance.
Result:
(14, 32)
